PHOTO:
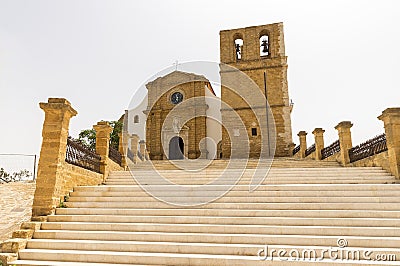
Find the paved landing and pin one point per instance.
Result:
(15, 206)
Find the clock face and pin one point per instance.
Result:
(176, 97)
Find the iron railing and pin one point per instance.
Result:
(310, 150)
(115, 155)
(296, 149)
(79, 155)
(370, 147)
(330, 150)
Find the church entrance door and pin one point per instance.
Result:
(176, 148)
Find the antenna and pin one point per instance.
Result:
(176, 64)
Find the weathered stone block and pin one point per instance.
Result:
(8, 258)
(13, 245)
(31, 225)
(23, 233)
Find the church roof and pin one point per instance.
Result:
(179, 77)
(182, 74)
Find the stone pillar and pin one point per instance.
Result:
(291, 148)
(346, 144)
(58, 112)
(319, 142)
(134, 146)
(122, 148)
(142, 147)
(391, 120)
(103, 131)
(303, 143)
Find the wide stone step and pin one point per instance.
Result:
(64, 263)
(164, 258)
(350, 181)
(194, 248)
(282, 187)
(268, 180)
(253, 199)
(241, 206)
(232, 213)
(232, 229)
(249, 163)
(222, 238)
(137, 257)
(301, 171)
(230, 220)
(247, 178)
(257, 193)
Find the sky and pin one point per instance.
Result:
(343, 58)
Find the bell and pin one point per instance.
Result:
(237, 46)
(238, 52)
(264, 45)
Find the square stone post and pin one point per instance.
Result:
(303, 143)
(346, 144)
(134, 146)
(391, 120)
(319, 142)
(103, 131)
(291, 148)
(122, 148)
(142, 146)
(50, 179)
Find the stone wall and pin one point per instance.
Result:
(15, 206)
(333, 158)
(380, 160)
(113, 166)
(78, 176)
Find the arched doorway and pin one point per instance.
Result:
(176, 148)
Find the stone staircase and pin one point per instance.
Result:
(301, 205)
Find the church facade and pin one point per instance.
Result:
(183, 118)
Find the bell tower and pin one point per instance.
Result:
(259, 52)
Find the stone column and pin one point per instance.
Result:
(142, 146)
(303, 143)
(134, 146)
(291, 148)
(391, 120)
(122, 148)
(58, 112)
(103, 131)
(319, 142)
(346, 144)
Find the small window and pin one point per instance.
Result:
(136, 119)
(254, 131)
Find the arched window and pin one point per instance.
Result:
(136, 119)
(238, 48)
(264, 45)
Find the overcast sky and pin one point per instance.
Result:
(343, 57)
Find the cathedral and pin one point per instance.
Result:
(182, 117)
